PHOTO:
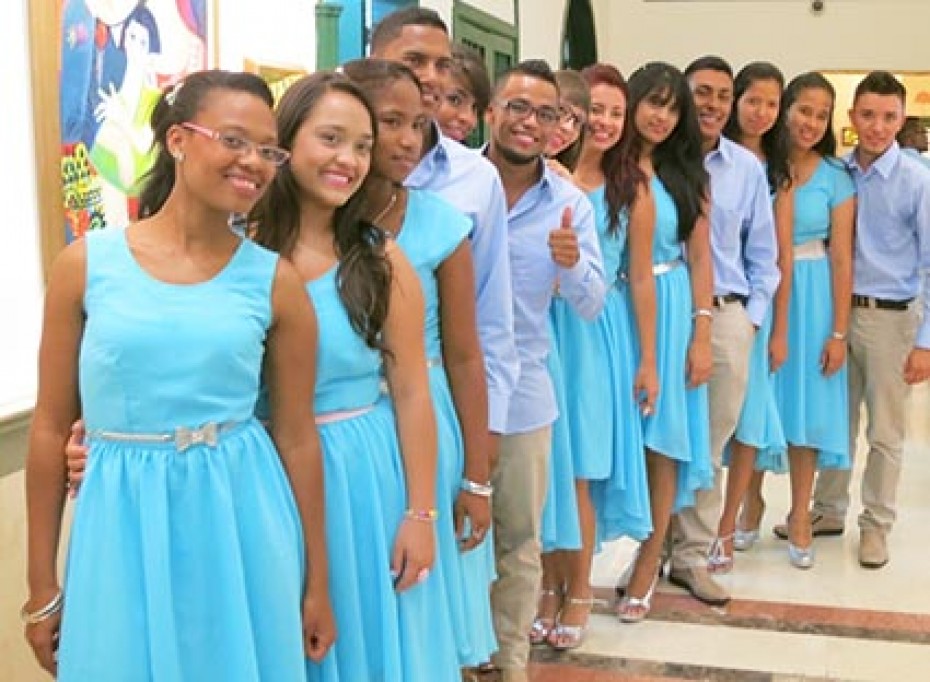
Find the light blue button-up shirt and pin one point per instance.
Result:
(742, 228)
(470, 182)
(917, 155)
(532, 218)
(892, 255)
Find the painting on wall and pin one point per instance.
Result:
(116, 57)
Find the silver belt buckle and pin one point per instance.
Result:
(185, 437)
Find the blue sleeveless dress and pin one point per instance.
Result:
(184, 563)
(560, 527)
(759, 423)
(814, 409)
(431, 232)
(679, 427)
(604, 434)
(621, 494)
(382, 635)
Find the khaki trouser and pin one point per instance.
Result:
(520, 484)
(732, 336)
(879, 343)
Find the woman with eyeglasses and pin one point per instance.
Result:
(463, 104)
(434, 237)
(190, 556)
(561, 528)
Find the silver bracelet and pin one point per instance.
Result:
(479, 489)
(702, 312)
(46, 612)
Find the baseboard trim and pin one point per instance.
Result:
(14, 439)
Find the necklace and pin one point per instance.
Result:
(386, 209)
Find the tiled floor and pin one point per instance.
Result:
(834, 622)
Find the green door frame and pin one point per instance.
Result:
(499, 42)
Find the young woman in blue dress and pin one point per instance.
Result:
(811, 387)
(561, 525)
(662, 152)
(434, 237)
(188, 558)
(759, 442)
(379, 451)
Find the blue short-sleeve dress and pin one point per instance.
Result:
(814, 409)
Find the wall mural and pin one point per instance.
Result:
(116, 57)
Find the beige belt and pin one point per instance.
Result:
(815, 249)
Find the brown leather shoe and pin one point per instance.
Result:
(873, 548)
(698, 582)
(821, 526)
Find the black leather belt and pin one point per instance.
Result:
(859, 301)
(723, 299)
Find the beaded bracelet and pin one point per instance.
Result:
(46, 612)
(479, 489)
(425, 515)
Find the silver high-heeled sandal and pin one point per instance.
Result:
(635, 609)
(565, 637)
(542, 627)
(718, 561)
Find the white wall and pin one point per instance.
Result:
(274, 32)
(541, 24)
(848, 34)
(21, 288)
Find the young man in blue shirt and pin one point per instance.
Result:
(552, 242)
(889, 345)
(746, 275)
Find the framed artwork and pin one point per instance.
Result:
(278, 76)
(849, 137)
(114, 59)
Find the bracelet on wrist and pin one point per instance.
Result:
(838, 336)
(424, 515)
(703, 312)
(44, 613)
(479, 489)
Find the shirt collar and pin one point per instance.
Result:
(724, 150)
(883, 165)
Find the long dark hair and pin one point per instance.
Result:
(812, 80)
(775, 143)
(177, 104)
(372, 76)
(363, 275)
(611, 162)
(678, 161)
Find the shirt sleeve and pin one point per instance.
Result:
(922, 217)
(761, 251)
(494, 304)
(583, 285)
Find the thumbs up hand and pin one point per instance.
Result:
(563, 242)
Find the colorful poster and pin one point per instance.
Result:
(116, 57)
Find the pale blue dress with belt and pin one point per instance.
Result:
(679, 427)
(382, 635)
(431, 232)
(600, 414)
(759, 423)
(814, 408)
(186, 553)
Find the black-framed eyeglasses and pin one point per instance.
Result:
(240, 145)
(519, 108)
(571, 117)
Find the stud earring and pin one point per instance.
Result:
(179, 157)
